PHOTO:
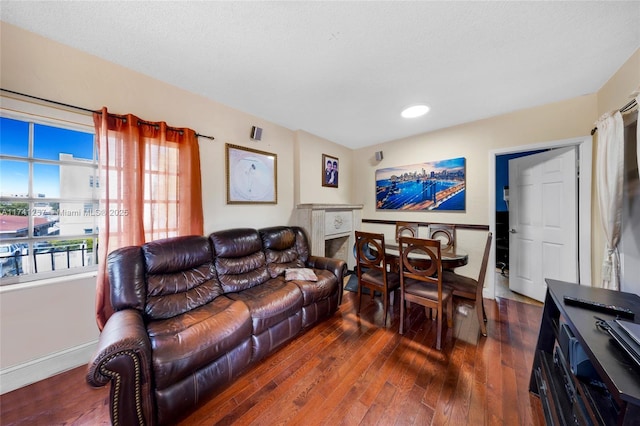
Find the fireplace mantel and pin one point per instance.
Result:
(326, 222)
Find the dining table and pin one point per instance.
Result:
(451, 257)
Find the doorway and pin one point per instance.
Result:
(543, 220)
(502, 208)
(584, 147)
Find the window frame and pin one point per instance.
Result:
(36, 112)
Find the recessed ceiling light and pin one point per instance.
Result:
(415, 111)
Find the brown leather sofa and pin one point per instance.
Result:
(192, 313)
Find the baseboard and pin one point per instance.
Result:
(33, 371)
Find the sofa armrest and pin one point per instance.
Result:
(336, 266)
(123, 358)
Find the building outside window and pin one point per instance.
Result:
(49, 207)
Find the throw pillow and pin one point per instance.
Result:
(303, 274)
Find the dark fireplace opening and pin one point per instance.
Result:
(337, 248)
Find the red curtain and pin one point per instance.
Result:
(150, 188)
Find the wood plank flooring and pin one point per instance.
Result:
(349, 370)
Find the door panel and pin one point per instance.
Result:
(543, 235)
(551, 256)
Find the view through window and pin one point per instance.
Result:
(49, 191)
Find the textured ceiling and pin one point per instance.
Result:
(344, 70)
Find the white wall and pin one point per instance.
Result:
(568, 119)
(46, 327)
(474, 141)
(310, 171)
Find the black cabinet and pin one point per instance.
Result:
(502, 241)
(603, 386)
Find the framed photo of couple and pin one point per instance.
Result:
(330, 171)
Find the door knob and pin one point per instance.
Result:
(513, 231)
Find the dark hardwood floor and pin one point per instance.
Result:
(349, 370)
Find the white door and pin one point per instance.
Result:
(542, 221)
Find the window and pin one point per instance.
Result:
(48, 192)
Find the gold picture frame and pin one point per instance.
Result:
(330, 166)
(252, 176)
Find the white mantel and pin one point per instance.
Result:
(323, 222)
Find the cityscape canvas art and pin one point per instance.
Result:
(436, 185)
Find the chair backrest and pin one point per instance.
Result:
(485, 261)
(406, 229)
(421, 259)
(444, 233)
(370, 252)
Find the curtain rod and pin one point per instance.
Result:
(84, 109)
(628, 107)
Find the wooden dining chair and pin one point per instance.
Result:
(470, 288)
(445, 233)
(407, 229)
(373, 269)
(421, 282)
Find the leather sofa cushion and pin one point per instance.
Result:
(240, 262)
(324, 287)
(270, 302)
(188, 342)
(169, 295)
(278, 238)
(237, 274)
(176, 254)
(180, 276)
(237, 242)
(279, 261)
(280, 249)
(127, 278)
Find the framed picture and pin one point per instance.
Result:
(330, 171)
(436, 185)
(251, 176)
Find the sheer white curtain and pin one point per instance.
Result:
(610, 167)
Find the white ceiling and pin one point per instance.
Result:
(344, 70)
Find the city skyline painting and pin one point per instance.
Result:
(436, 185)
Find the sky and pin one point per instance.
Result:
(452, 163)
(48, 143)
